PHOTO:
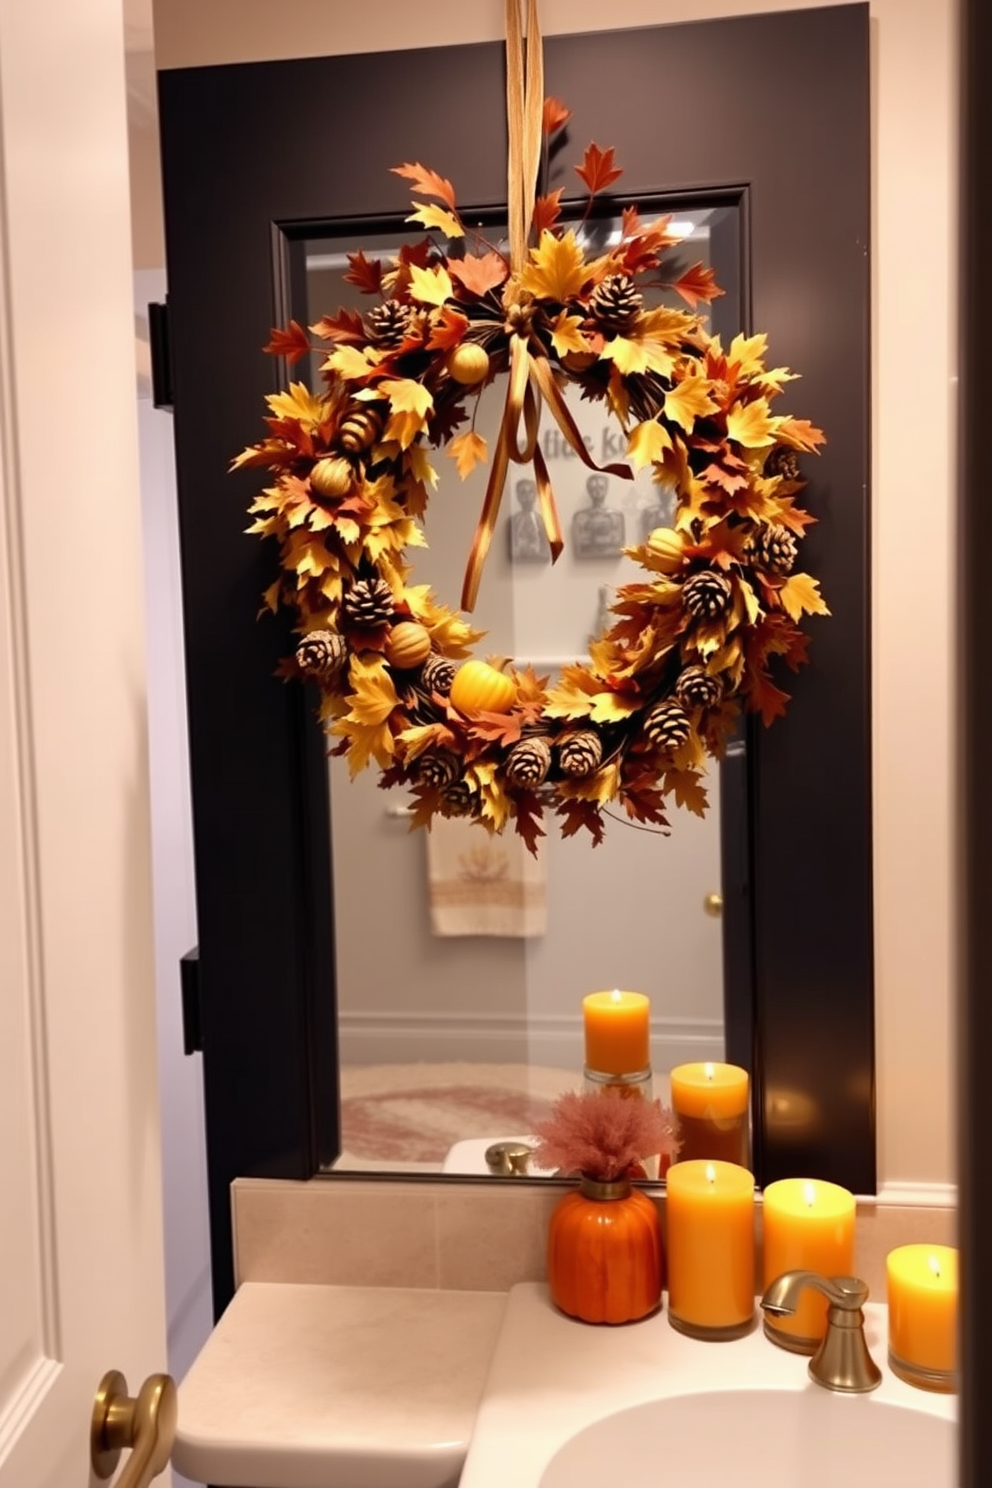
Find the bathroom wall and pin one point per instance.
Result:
(913, 317)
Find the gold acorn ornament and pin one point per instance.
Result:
(408, 645)
(481, 688)
(667, 549)
(360, 428)
(332, 477)
(469, 363)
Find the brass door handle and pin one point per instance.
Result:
(146, 1424)
(713, 905)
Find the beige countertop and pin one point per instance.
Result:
(318, 1386)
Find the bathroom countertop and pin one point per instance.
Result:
(315, 1386)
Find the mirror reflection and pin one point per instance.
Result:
(462, 961)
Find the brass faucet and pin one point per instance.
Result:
(842, 1361)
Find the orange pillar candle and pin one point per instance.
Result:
(808, 1226)
(710, 1211)
(712, 1104)
(617, 1032)
(923, 1314)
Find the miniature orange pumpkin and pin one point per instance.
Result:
(469, 363)
(407, 645)
(604, 1253)
(481, 688)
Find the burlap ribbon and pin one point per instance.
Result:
(531, 379)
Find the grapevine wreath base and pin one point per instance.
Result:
(693, 641)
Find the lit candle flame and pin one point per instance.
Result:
(934, 1265)
(710, 1173)
(810, 1194)
(708, 1070)
(615, 995)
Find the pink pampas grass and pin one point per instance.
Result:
(604, 1134)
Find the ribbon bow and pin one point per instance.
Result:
(531, 381)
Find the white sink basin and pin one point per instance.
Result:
(572, 1406)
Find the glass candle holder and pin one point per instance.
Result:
(710, 1207)
(713, 1106)
(922, 1284)
(808, 1225)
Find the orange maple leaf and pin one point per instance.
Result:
(479, 274)
(428, 182)
(527, 816)
(698, 283)
(555, 116)
(291, 342)
(547, 210)
(597, 170)
(447, 330)
(345, 326)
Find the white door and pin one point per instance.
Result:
(81, 1270)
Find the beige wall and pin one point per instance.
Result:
(912, 577)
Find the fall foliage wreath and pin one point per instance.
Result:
(693, 640)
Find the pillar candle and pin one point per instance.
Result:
(710, 1212)
(808, 1226)
(617, 1032)
(923, 1313)
(711, 1102)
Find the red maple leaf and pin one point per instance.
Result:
(479, 274)
(697, 284)
(547, 210)
(448, 330)
(364, 272)
(578, 814)
(291, 342)
(597, 170)
(527, 820)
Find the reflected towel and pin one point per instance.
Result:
(482, 885)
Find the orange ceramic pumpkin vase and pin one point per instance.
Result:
(605, 1260)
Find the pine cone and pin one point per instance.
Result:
(458, 799)
(438, 767)
(360, 428)
(437, 674)
(772, 547)
(368, 602)
(580, 753)
(666, 725)
(615, 301)
(321, 654)
(707, 595)
(783, 461)
(388, 324)
(528, 763)
(695, 688)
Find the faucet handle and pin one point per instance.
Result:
(842, 1361)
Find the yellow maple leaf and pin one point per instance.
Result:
(635, 354)
(430, 216)
(298, 402)
(467, 450)
(751, 424)
(557, 270)
(430, 286)
(800, 594)
(748, 352)
(409, 402)
(418, 463)
(612, 707)
(647, 442)
(566, 335)
(495, 803)
(603, 786)
(685, 786)
(350, 363)
(688, 400)
(374, 696)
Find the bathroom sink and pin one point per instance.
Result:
(567, 1405)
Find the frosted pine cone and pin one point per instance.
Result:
(580, 753)
(616, 301)
(368, 602)
(388, 324)
(437, 674)
(667, 725)
(707, 595)
(528, 763)
(438, 767)
(321, 654)
(773, 548)
(695, 688)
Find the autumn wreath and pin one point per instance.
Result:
(692, 642)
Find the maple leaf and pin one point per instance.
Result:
(597, 170)
(298, 403)
(527, 816)
(479, 273)
(351, 364)
(425, 736)
(613, 707)
(346, 325)
(635, 354)
(410, 403)
(430, 286)
(428, 182)
(557, 270)
(746, 356)
(554, 116)
(685, 786)
(688, 400)
(751, 424)
(447, 329)
(647, 442)
(291, 342)
(730, 481)
(365, 273)
(792, 516)
(467, 451)
(431, 216)
(547, 210)
(800, 595)
(497, 728)
(800, 434)
(698, 283)
(566, 334)
(577, 815)
(767, 699)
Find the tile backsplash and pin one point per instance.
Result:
(464, 1236)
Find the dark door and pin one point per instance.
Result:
(768, 112)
